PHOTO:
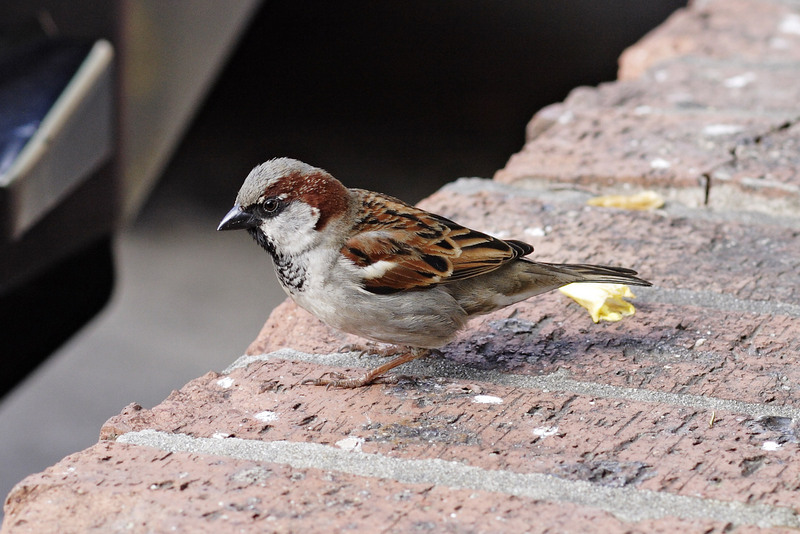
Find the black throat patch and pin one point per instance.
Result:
(291, 272)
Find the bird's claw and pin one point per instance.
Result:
(338, 380)
(333, 378)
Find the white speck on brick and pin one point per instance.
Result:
(351, 443)
(742, 80)
(225, 382)
(713, 130)
(642, 110)
(790, 24)
(487, 399)
(266, 416)
(537, 231)
(545, 431)
(771, 446)
(220, 435)
(779, 43)
(660, 163)
(566, 117)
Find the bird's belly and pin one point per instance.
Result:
(427, 319)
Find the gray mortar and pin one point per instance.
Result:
(627, 504)
(758, 214)
(558, 381)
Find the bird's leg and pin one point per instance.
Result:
(337, 380)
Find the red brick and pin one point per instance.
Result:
(620, 443)
(749, 30)
(753, 169)
(152, 491)
(687, 86)
(613, 149)
(762, 175)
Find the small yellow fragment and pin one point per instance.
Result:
(602, 301)
(646, 200)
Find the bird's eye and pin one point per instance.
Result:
(271, 205)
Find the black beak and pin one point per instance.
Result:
(238, 219)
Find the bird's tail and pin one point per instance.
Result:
(522, 279)
(535, 277)
(569, 273)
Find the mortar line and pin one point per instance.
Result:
(566, 193)
(715, 301)
(558, 381)
(627, 504)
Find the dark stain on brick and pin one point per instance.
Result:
(307, 420)
(775, 428)
(433, 429)
(270, 385)
(607, 472)
(751, 465)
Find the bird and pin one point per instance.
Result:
(372, 265)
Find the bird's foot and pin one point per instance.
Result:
(339, 380)
(373, 376)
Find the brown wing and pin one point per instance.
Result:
(399, 247)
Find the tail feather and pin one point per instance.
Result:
(521, 279)
(602, 274)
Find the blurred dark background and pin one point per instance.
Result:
(400, 97)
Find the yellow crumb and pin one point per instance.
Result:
(602, 301)
(646, 200)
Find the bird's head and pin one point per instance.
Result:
(286, 204)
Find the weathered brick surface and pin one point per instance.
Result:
(695, 398)
(611, 149)
(710, 157)
(764, 168)
(215, 494)
(722, 29)
(700, 85)
(706, 115)
(609, 441)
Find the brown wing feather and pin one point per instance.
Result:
(402, 247)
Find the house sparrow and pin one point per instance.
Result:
(372, 265)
